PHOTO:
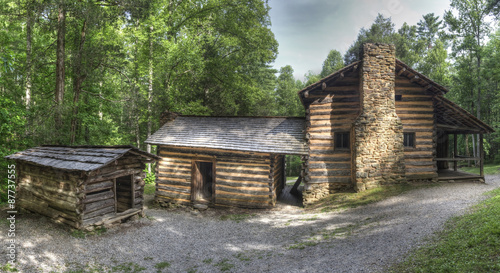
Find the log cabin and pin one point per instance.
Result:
(377, 121)
(225, 161)
(82, 186)
(374, 122)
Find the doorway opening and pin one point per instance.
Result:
(203, 181)
(123, 193)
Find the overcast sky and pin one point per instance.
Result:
(307, 30)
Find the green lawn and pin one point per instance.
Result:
(469, 243)
(149, 189)
(488, 169)
(291, 178)
(343, 200)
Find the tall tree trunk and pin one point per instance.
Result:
(478, 102)
(59, 92)
(135, 99)
(78, 79)
(29, 24)
(150, 90)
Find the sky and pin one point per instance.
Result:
(307, 30)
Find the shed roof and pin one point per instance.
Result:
(77, 158)
(281, 135)
(454, 119)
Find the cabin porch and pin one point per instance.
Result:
(450, 175)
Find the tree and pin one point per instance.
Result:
(435, 64)
(381, 31)
(332, 63)
(409, 47)
(287, 100)
(428, 29)
(469, 29)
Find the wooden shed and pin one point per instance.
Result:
(82, 186)
(225, 161)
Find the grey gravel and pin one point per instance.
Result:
(364, 239)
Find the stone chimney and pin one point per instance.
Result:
(378, 131)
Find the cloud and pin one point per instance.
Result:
(308, 30)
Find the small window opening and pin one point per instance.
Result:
(409, 140)
(399, 97)
(342, 140)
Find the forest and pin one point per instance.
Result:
(100, 72)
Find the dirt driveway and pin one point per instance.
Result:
(364, 239)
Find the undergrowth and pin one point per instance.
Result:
(469, 243)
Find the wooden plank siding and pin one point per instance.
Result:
(173, 176)
(242, 179)
(335, 110)
(50, 193)
(103, 195)
(417, 115)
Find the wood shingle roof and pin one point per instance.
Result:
(77, 158)
(280, 135)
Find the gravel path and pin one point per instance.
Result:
(364, 239)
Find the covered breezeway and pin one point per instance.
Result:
(454, 121)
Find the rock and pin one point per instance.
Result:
(200, 206)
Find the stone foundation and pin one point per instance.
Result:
(314, 192)
(378, 131)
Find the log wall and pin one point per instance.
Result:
(416, 112)
(77, 198)
(242, 179)
(54, 194)
(278, 176)
(335, 110)
(173, 176)
(108, 189)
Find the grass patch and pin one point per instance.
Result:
(488, 169)
(84, 234)
(303, 245)
(128, 268)
(237, 217)
(208, 261)
(242, 257)
(8, 268)
(314, 218)
(469, 243)
(149, 189)
(224, 265)
(351, 200)
(292, 179)
(162, 265)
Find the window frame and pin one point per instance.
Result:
(346, 139)
(413, 140)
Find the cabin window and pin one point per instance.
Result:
(203, 181)
(342, 140)
(399, 97)
(409, 140)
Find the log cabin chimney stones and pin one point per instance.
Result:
(378, 155)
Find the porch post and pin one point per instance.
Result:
(455, 149)
(481, 155)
